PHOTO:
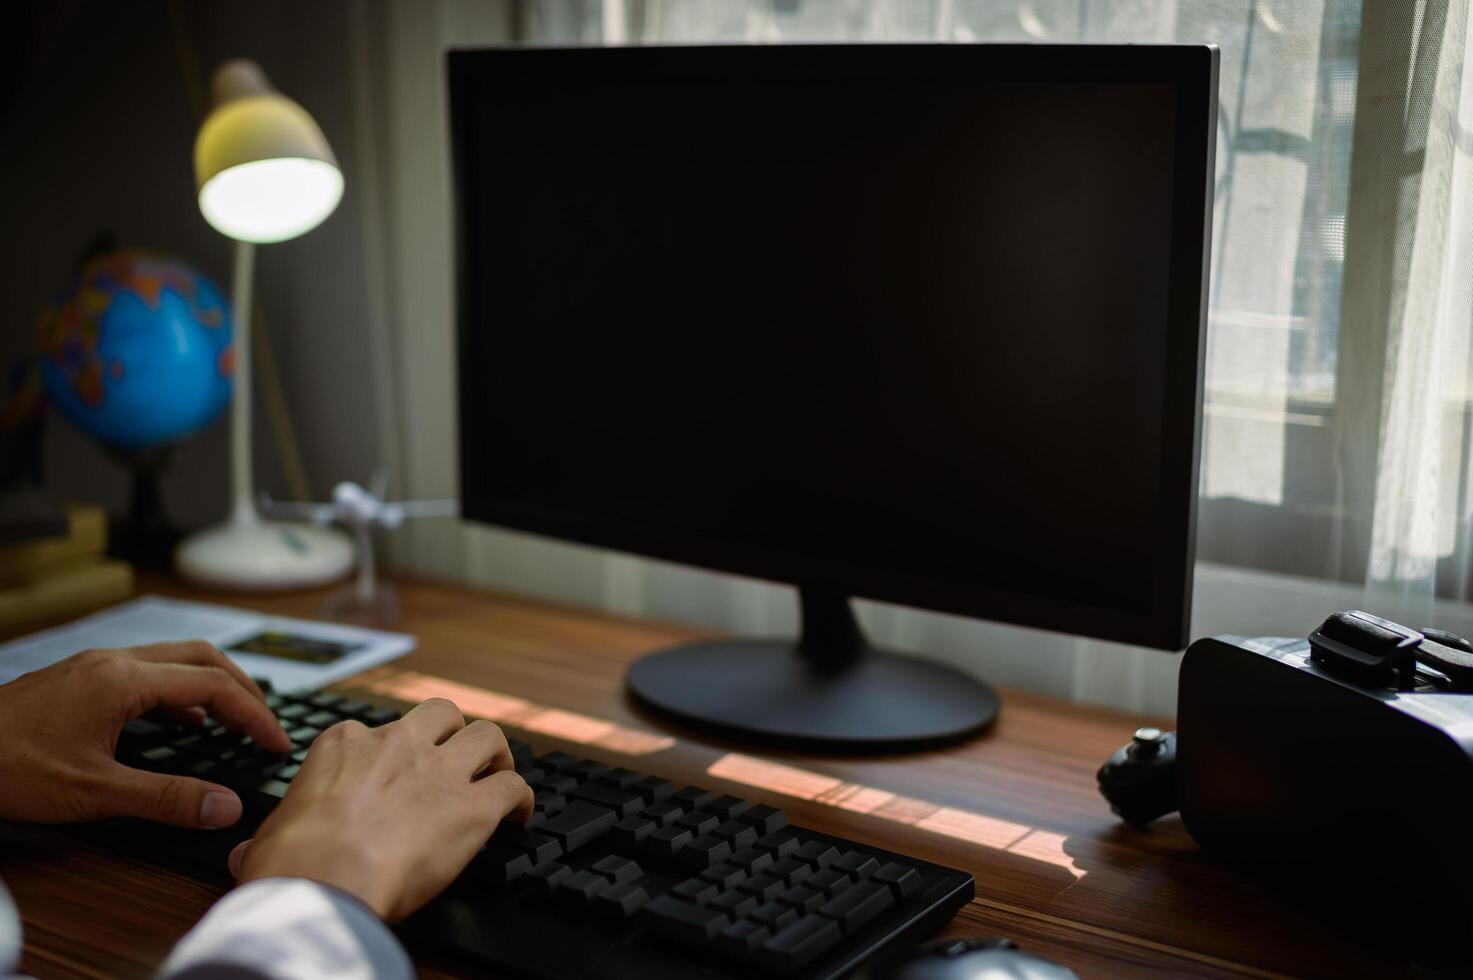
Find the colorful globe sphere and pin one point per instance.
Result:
(137, 353)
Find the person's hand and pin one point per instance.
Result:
(390, 815)
(59, 729)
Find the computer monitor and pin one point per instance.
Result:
(917, 323)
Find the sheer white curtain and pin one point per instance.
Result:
(1336, 440)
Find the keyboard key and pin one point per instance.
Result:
(764, 886)
(621, 899)
(140, 730)
(327, 699)
(663, 814)
(817, 853)
(829, 881)
(856, 864)
(534, 776)
(293, 713)
(556, 761)
(622, 803)
(548, 876)
(555, 783)
(305, 735)
(801, 942)
(738, 904)
(695, 891)
(270, 793)
(791, 870)
(630, 831)
(207, 769)
(380, 716)
(726, 807)
(160, 758)
(186, 743)
(581, 886)
(780, 844)
(739, 835)
(521, 752)
(619, 779)
(774, 915)
(536, 845)
(903, 880)
(653, 789)
(666, 842)
(766, 819)
(692, 797)
(698, 823)
(670, 916)
(741, 938)
(499, 864)
(548, 804)
(300, 755)
(752, 859)
(274, 701)
(616, 868)
(353, 709)
(586, 769)
(724, 876)
(579, 824)
(704, 851)
(854, 907)
(321, 719)
(803, 898)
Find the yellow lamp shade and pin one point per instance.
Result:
(263, 168)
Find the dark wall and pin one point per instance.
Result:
(97, 124)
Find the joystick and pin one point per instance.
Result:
(1139, 780)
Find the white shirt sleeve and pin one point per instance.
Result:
(9, 934)
(288, 929)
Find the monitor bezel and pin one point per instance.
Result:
(1191, 69)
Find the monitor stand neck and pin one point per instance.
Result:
(830, 690)
(831, 638)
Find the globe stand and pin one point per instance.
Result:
(144, 537)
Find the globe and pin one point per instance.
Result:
(137, 352)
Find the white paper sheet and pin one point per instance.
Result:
(154, 619)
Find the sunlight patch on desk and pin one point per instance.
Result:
(948, 821)
(974, 827)
(509, 709)
(567, 724)
(780, 778)
(411, 686)
(1043, 845)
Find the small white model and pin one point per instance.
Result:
(362, 512)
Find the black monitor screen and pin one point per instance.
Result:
(905, 335)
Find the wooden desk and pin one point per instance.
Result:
(1017, 808)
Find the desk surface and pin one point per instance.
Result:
(1017, 808)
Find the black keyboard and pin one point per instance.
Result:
(618, 874)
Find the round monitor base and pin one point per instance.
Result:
(765, 690)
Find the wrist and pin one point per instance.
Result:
(344, 867)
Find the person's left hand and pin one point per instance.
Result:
(59, 729)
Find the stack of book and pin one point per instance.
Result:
(49, 579)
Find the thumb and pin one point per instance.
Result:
(237, 858)
(178, 800)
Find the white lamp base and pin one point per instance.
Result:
(264, 556)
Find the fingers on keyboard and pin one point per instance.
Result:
(682, 864)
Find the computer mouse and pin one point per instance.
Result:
(964, 959)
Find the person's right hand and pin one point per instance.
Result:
(390, 815)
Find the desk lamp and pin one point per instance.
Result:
(265, 174)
